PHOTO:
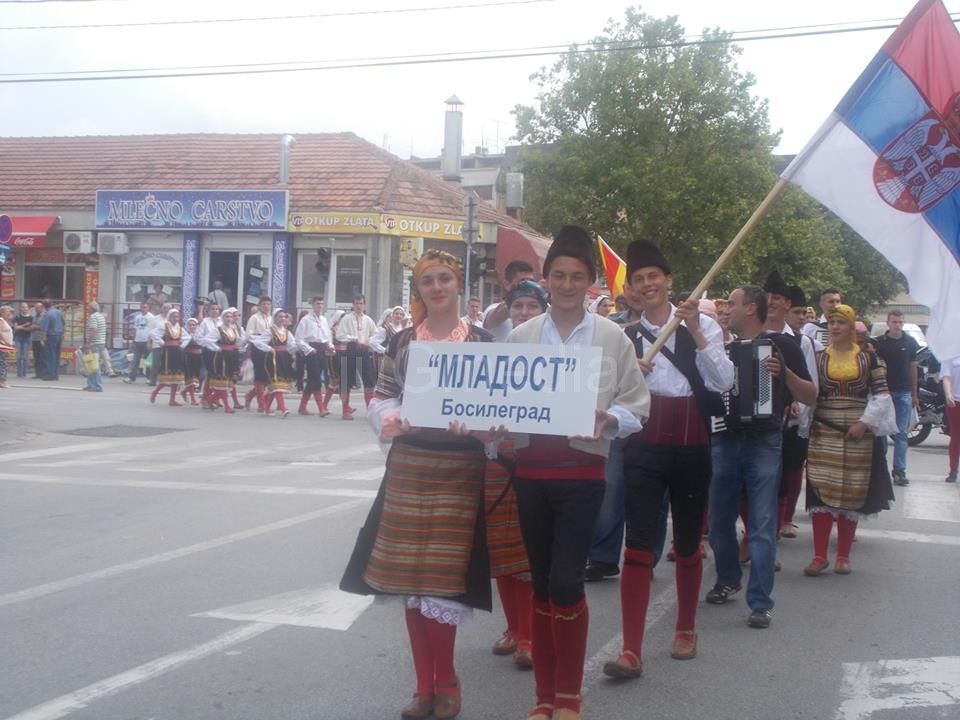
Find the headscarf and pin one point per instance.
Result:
(273, 316)
(845, 313)
(192, 322)
(431, 258)
(708, 308)
(171, 311)
(528, 288)
(595, 305)
(231, 311)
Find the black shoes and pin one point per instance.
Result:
(597, 571)
(719, 594)
(900, 478)
(759, 619)
(951, 478)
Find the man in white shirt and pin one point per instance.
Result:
(353, 353)
(141, 323)
(257, 325)
(156, 323)
(829, 299)
(496, 318)
(314, 330)
(670, 455)
(218, 296)
(473, 316)
(208, 337)
(559, 481)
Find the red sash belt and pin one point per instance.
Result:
(674, 421)
(227, 348)
(172, 343)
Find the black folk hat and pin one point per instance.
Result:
(776, 285)
(575, 242)
(797, 297)
(643, 253)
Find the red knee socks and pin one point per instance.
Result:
(173, 396)
(225, 399)
(505, 588)
(689, 573)
(635, 597)
(422, 651)
(544, 654)
(822, 526)
(281, 402)
(846, 528)
(523, 596)
(304, 399)
(318, 399)
(367, 397)
(268, 401)
(794, 486)
(570, 625)
(442, 640)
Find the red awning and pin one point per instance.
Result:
(514, 244)
(31, 230)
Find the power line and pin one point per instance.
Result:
(444, 58)
(270, 18)
(457, 54)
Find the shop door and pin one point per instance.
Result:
(245, 276)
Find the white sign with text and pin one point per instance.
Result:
(540, 389)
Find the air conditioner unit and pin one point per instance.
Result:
(77, 242)
(112, 243)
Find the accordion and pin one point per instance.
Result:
(751, 399)
(822, 336)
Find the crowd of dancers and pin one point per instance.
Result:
(319, 357)
(457, 508)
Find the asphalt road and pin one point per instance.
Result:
(177, 564)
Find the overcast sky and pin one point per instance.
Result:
(400, 108)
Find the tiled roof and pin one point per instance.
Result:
(330, 171)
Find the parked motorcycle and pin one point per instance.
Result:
(933, 404)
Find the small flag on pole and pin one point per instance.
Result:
(614, 268)
(887, 161)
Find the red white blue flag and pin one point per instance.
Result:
(887, 161)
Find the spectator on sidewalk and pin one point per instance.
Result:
(141, 324)
(96, 340)
(36, 343)
(52, 324)
(950, 377)
(157, 325)
(6, 341)
(21, 337)
(218, 296)
(899, 351)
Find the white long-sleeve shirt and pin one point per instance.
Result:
(627, 422)
(712, 362)
(158, 330)
(314, 328)
(809, 346)
(258, 324)
(354, 329)
(262, 342)
(208, 333)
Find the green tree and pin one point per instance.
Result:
(641, 136)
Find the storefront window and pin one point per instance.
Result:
(349, 278)
(53, 281)
(154, 290)
(314, 274)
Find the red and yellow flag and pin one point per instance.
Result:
(614, 268)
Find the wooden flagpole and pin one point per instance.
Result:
(721, 262)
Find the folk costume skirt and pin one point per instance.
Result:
(508, 555)
(171, 365)
(844, 475)
(425, 535)
(192, 365)
(279, 366)
(224, 367)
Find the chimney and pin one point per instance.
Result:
(452, 139)
(285, 143)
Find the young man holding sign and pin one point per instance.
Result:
(560, 480)
(670, 455)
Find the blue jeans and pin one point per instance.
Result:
(746, 461)
(93, 379)
(608, 534)
(23, 354)
(903, 404)
(52, 345)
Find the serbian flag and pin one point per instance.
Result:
(887, 161)
(614, 268)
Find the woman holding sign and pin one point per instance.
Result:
(508, 556)
(560, 480)
(424, 537)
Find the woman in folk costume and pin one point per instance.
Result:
(169, 338)
(508, 556)
(560, 480)
(224, 353)
(279, 346)
(847, 475)
(333, 361)
(192, 363)
(430, 504)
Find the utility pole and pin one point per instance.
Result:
(470, 233)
